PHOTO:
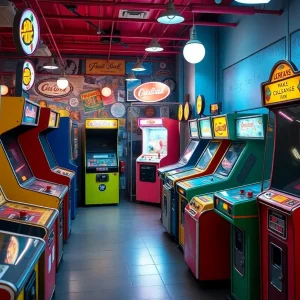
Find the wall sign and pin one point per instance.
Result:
(104, 67)
(118, 110)
(200, 105)
(92, 101)
(150, 111)
(28, 75)
(220, 127)
(186, 111)
(214, 109)
(103, 124)
(283, 85)
(180, 112)
(49, 89)
(26, 32)
(151, 92)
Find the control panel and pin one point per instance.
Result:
(285, 201)
(63, 172)
(57, 190)
(277, 223)
(153, 158)
(198, 204)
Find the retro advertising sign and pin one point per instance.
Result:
(48, 88)
(26, 31)
(104, 67)
(28, 76)
(151, 92)
(220, 127)
(283, 85)
(103, 123)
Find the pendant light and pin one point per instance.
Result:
(253, 1)
(170, 15)
(50, 64)
(138, 67)
(154, 46)
(131, 77)
(193, 50)
(106, 91)
(3, 87)
(62, 82)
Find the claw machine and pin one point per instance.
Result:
(279, 205)
(160, 148)
(101, 161)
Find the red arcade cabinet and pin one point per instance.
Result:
(41, 160)
(160, 148)
(279, 206)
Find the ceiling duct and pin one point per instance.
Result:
(133, 14)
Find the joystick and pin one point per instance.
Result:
(48, 188)
(23, 214)
(242, 192)
(250, 194)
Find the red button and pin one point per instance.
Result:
(242, 192)
(48, 188)
(23, 214)
(250, 194)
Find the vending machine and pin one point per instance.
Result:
(64, 142)
(279, 205)
(160, 148)
(241, 164)
(207, 161)
(16, 178)
(42, 161)
(101, 161)
(190, 155)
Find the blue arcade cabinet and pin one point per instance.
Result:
(64, 144)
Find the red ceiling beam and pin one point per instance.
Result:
(120, 20)
(211, 9)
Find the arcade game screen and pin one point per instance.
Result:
(16, 158)
(230, 159)
(156, 141)
(207, 155)
(101, 160)
(193, 129)
(189, 152)
(101, 140)
(286, 175)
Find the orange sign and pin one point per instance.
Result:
(220, 127)
(151, 92)
(105, 67)
(283, 85)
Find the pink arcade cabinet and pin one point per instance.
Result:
(160, 148)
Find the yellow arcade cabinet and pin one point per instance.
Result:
(101, 161)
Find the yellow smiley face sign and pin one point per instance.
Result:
(199, 105)
(180, 112)
(28, 76)
(186, 111)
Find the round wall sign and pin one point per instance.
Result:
(150, 111)
(28, 75)
(26, 31)
(180, 112)
(118, 110)
(186, 111)
(200, 105)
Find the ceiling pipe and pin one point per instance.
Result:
(147, 21)
(211, 9)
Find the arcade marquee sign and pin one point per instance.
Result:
(283, 85)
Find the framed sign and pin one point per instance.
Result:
(104, 67)
(200, 105)
(151, 92)
(26, 31)
(214, 109)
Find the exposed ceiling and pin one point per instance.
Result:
(99, 28)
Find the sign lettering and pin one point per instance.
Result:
(102, 123)
(48, 88)
(104, 67)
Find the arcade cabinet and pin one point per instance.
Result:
(20, 257)
(35, 221)
(101, 161)
(206, 164)
(190, 154)
(160, 148)
(64, 142)
(279, 205)
(241, 164)
(18, 115)
(43, 163)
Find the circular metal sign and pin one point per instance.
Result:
(180, 112)
(28, 75)
(118, 110)
(26, 31)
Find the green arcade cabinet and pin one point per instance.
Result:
(101, 161)
(242, 163)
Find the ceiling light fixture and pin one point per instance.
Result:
(193, 50)
(131, 77)
(253, 1)
(154, 46)
(50, 64)
(138, 66)
(62, 82)
(170, 15)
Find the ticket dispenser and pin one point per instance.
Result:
(101, 161)
(279, 205)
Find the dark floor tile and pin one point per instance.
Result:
(142, 270)
(146, 280)
(153, 292)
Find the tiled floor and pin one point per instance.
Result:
(123, 253)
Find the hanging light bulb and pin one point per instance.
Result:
(154, 46)
(193, 50)
(131, 77)
(138, 66)
(106, 91)
(50, 64)
(253, 1)
(170, 15)
(62, 82)
(3, 87)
